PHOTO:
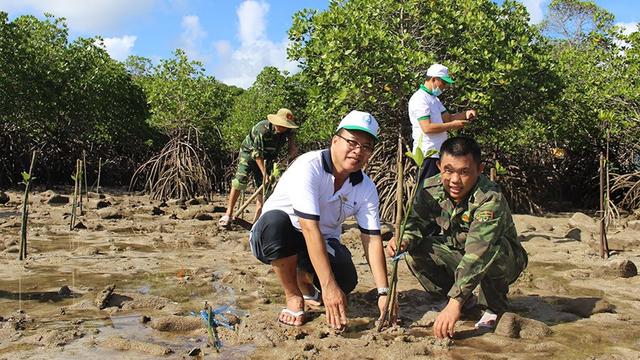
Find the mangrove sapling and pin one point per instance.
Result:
(26, 180)
(418, 157)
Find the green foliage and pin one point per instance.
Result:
(371, 55)
(271, 91)
(181, 95)
(64, 97)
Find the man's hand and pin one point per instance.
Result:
(446, 320)
(382, 306)
(391, 247)
(335, 304)
(470, 114)
(458, 124)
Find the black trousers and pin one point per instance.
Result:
(273, 237)
(428, 169)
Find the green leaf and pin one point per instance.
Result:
(25, 177)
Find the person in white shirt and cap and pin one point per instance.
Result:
(299, 230)
(430, 120)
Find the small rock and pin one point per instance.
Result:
(515, 326)
(99, 227)
(530, 227)
(103, 298)
(65, 291)
(57, 199)
(101, 204)
(176, 323)
(145, 319)
(157, 211)
(579, 235)
(79, 225)
(176, 202)
(162, 204)
(108, 214)
(583, 221)
(12, 249)
(194, 352)
(618, 268)
(632, 225)
(203, 217)
(584, 307)
(308, 347)
(4, 198)
(197, 201)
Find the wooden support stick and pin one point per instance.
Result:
(249, 200)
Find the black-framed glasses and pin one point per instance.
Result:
(355, 144)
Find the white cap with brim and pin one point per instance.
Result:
(361, 121)
(440, 71)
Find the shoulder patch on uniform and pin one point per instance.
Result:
(465, 216)
(483, 215)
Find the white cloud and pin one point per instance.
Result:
(240, 66)
(252, 20)
(535, 8)
(119, 48)
(84, 15)
(626, 29)
(191, 38)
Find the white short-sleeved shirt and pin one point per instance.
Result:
(423, 106)
(305, 190)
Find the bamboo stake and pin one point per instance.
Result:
(84, 172)
(75, 198)
(99, 173)
(80, 183)
(389, 309)
(604, 247)
(25, 210)
(249, 200)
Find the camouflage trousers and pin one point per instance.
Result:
(434, 263)
(247, 167)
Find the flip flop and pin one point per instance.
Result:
(487, 321)
(295, 314)
(225, 220)
(317, 297)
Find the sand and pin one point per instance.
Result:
(131, 281)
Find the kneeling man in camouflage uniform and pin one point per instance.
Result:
(460, 234)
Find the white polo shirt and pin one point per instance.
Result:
(423, 106)
(305, 190)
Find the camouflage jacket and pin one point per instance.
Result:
(479, 227)
(263, 141)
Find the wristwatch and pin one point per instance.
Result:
(383, 291)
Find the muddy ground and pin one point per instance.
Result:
(124, 284)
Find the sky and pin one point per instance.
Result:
(234, 39)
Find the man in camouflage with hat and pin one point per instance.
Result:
(262, 145)
(460, 234)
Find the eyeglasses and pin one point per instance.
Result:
(353, 144)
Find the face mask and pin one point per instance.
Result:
(436, 91)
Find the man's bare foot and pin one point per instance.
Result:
(293, 314)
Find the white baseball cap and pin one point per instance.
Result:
(440, 71)
(361, 121)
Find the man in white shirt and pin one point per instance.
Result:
(430, 120)
(299, 230)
